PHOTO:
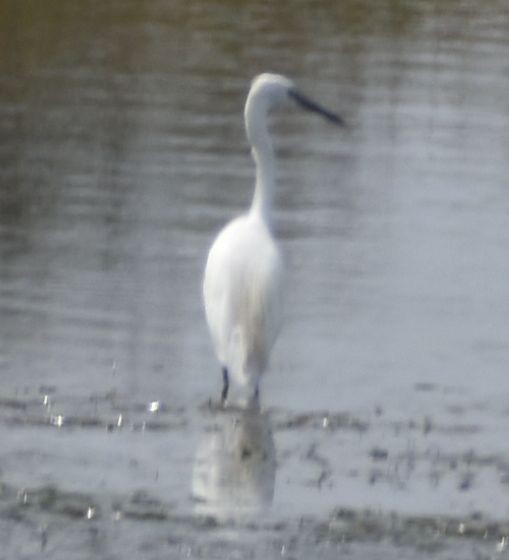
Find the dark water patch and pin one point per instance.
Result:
(132, 522)
(52, 500)
(422, 532)
(317, 420)
(96, 412)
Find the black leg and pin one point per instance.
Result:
(255, 399)
(226, 384)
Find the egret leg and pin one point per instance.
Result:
(226, 385)
(255, 399)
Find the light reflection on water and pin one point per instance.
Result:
(123, 152)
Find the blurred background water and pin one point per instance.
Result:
(122, 153)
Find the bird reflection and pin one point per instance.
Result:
(235, 467)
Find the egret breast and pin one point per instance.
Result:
(242, 291)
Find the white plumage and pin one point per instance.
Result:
(242, 285)
(243, 293)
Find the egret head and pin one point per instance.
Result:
(270, 90)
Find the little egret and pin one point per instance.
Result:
(242, 285)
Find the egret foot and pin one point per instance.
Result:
(226, 385)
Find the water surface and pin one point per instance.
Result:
(123, 152)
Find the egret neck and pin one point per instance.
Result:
(263, 155)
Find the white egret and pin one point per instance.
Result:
(242, 284)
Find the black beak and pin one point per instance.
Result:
(310, 105)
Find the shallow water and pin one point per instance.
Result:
(123, 152)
